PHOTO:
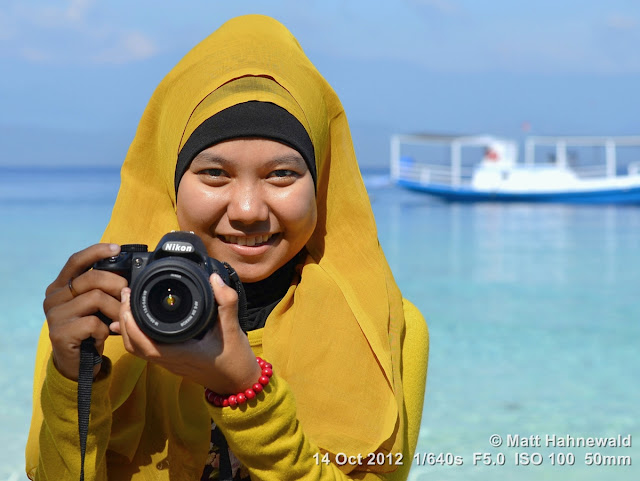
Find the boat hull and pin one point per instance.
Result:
(627, 195)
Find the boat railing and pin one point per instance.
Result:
(431, 173)
(453, 167)
(607, 165)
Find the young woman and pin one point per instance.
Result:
(245, 144)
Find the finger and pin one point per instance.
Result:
(227, 299)
(125, 314)
(107, 282)
(86, 304)
(135, 341)
(66, 339)
(81, 261)
(71, 333)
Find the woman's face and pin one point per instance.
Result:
(251, 201)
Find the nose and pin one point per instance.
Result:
(247, 205)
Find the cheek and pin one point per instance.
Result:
(195, 206)
(301, 214)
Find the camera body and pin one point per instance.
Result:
(171, 297)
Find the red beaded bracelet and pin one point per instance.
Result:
(242, 397)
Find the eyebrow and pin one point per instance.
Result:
(292, 160)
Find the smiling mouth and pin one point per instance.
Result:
(250, 241)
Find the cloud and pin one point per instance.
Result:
(7, 29)
(618, 21)
(73, 33)
(443, 6)
(128, 47)
(519, 40)
(78, 9)
(34, 55)
(50, 17)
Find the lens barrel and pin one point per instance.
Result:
(172, 300)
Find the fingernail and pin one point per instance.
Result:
(218, 280)
(115, 248)
(124, 294)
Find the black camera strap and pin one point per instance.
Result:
(89, 358)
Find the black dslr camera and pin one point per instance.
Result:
(171, 298)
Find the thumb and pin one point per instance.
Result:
(227, 299)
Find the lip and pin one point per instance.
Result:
(248, 250)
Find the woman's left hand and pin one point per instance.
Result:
(221, 361)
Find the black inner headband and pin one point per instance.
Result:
(249, 119)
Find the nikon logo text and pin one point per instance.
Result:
(177, 247)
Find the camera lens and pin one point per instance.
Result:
(170, 300)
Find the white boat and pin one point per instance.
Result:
(486, 168)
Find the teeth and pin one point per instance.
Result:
(247, 241)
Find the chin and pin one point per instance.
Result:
(253, 272)
(253, 276)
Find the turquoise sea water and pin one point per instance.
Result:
(532, 309)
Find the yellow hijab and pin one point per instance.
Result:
(335, 337)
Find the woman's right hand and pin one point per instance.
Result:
(71, 312)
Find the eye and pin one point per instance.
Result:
(283, 177)
(212, 172)
(213, 176)
(283, 173)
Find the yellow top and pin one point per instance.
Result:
(336, 337)
(161, 431)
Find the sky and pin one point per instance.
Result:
(77, 74)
